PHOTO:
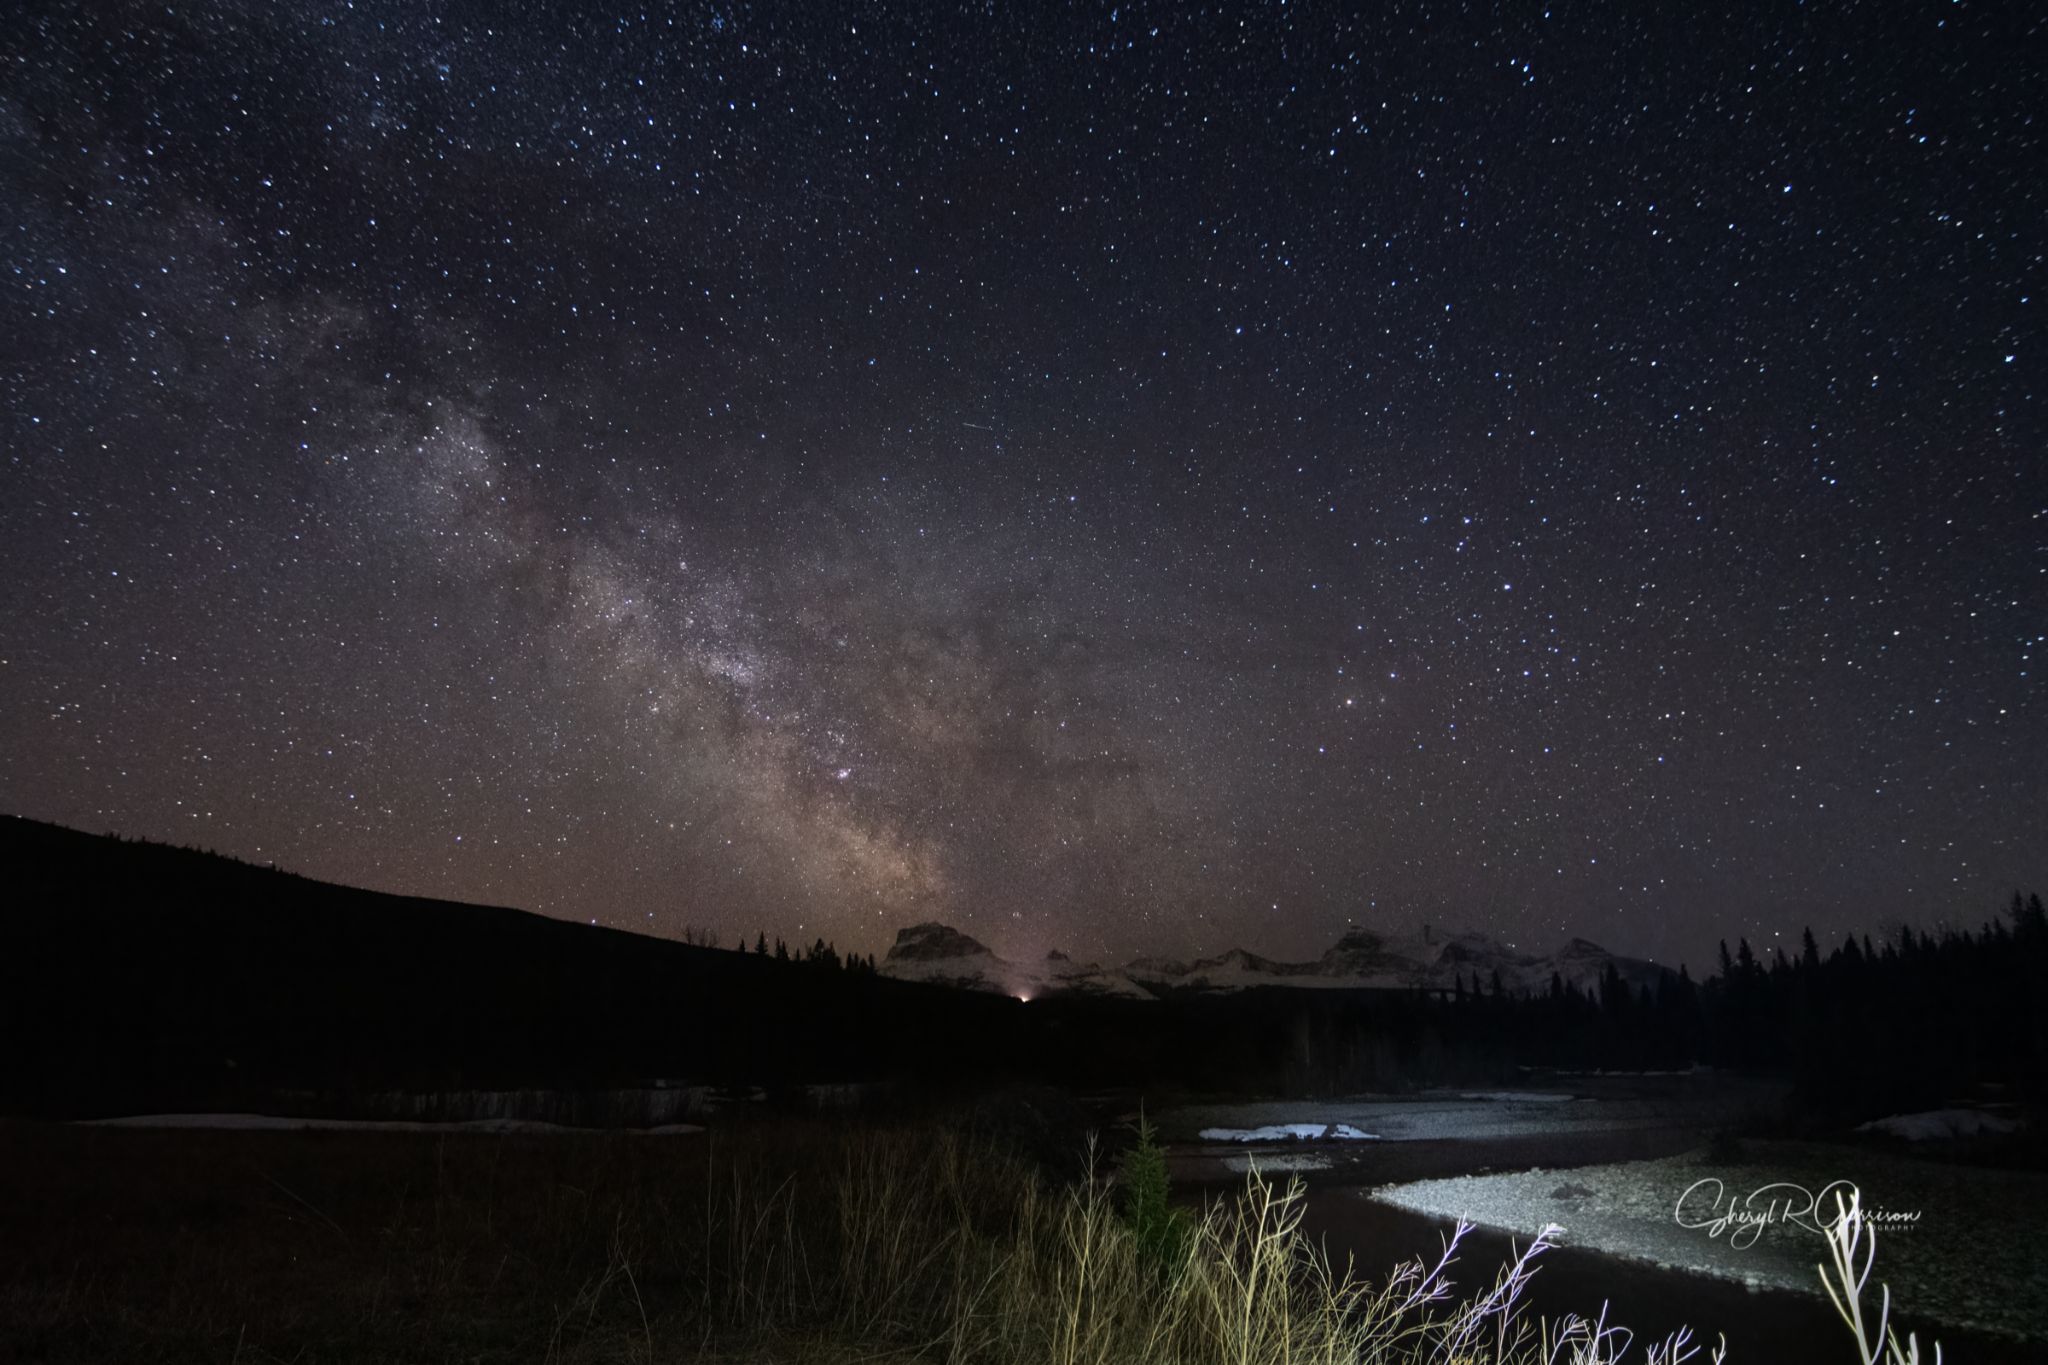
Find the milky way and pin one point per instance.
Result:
(1125, 479)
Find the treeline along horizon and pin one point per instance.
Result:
(141, 977)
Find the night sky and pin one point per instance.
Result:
(1130, 480)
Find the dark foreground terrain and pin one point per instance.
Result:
(766, 1237)
(130, 1245)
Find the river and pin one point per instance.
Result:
(1967, 1257)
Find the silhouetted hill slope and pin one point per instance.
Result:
(134, 972)
(136, 976)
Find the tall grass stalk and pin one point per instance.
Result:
(1852, 1249)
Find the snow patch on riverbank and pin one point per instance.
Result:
(1290, 1132)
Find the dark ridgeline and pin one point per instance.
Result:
(137, 976)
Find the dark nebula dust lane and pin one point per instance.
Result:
(1129, 479)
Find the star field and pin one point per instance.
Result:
(1126, 479)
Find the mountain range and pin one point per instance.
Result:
(1363, 959)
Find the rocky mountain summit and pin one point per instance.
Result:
(942, 955)
(1360, 960)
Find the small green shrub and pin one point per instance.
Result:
(1161, 1232)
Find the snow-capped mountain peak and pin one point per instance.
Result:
(934, 942)
(1361, 959)
(943, 955)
